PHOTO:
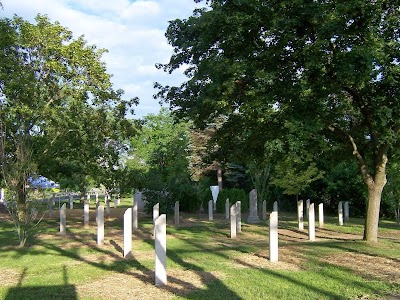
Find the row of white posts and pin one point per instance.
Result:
(130, 222)
(232, 212)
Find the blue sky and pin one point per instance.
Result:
(132, 31)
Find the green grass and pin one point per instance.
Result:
(55, 267)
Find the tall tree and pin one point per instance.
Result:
(44, 72)
(332, 65)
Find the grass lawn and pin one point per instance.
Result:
(202, 261)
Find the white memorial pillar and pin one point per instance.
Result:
(160, 245)
(210, 210)
(275, 206)
(238, 216)
(311, 222)
(86, 214)
(156, 214)
(264, 210)
(233, 221)
(128, 233)
(340, 213)
(253, 212)
(63, 219)
(214, 191)
(227, 209)
(1, 195)
(135, 215)
(115, 202)
(346, 211)
(321, 215)
(107, 200)
(273, 236)
(100, 225)
(71, 201)
(176, 213)
(88, 198)
(300, 214)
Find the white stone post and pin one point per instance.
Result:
(107, 200)
(273, 236)
(300, 214)
(1, 195)
(214, 191)
(63, 219)
(210, 210)
(88, 198)
(51, 204)
(128, 233)
(100, 225)
(346, 211)
(156, 214)
(227, 209)
(321, 215)
(115, 202)
(238, 216)
(97, 197)
(311, 222)
(275, 206)
(71, 201)
(135, 215)
(176, 213)
(160, 245)
(253, 212)
(307, 207)
(264, 210)
(340, 213)
(86, 214)
(233, 221)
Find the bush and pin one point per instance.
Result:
(233, 195)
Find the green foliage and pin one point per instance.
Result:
(59, 114)
(330, 70)
(233, 195)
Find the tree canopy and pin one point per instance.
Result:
(56, 98)
(331, 66)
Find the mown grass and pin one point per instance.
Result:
(339, 265)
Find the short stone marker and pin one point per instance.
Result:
(264, 210)
(97, 197)
(63, 219)
(115, 202)
(51, 204)
(160, 245)
(233, 220)
(321, 215)
(307, 207)
(311, 222)
(238, 216)
(86, 214)
(88, 198)
(100, 225)
(71, 202)
(128, 233)
(227, 209)
(176, 213)
(346, 211)
(300, 214)
(273, 236)
(275, 206)
(135, 215)
(340, 213)
(210, 210)
(253, 213)
(156, 214)
(107, 200)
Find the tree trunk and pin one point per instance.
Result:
(375, 188)
(22, 216)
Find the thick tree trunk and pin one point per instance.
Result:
(372, 216)
(375, 187)
(22, 217)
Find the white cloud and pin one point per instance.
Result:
(132, 31)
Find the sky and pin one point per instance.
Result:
(132, 31)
